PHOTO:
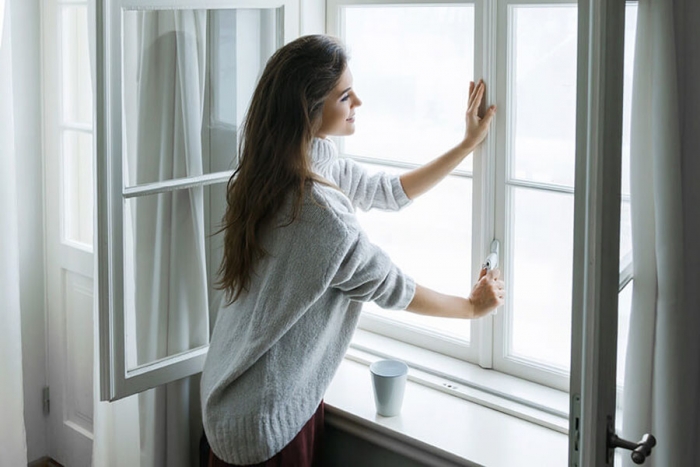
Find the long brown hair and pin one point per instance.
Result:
(283, 117)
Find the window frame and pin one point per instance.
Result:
(477, 349)
(502, 361)
(490, 209)
(56, 125)
(116, 380)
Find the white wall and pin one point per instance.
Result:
(27, 101)
(313, 17)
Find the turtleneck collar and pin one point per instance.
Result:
(323, 151)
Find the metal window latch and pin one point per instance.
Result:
(640, 450)
(491, 261)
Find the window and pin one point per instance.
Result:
(69, 122)
(160, 192)
(411, 65)
(177, 82)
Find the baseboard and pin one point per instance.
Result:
(45, 461)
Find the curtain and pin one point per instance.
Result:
(171, 299)
(661, 377)
(13, 440)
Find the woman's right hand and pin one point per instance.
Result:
(488, 293)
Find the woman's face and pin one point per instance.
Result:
(338, 117)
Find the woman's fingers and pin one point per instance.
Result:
(474, 89)
(475, 102)
(489, 116)
(489, 293)
(494, 274)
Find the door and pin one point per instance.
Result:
(68, 143)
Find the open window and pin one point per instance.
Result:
(411, 64)
(173, 84)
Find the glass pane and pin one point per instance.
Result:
(624, 307)
(625, 220)
(75, 65)
(541, 281)
(630, 36)
(170, 262)
(543, 92)
(411, 67)
(77, 187)
(188, 77)
(625, 296)
(431, 241)
(625, 232)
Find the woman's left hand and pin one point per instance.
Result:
(477, 127)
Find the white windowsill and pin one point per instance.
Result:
(465, 425)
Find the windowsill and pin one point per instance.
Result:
(466, 424)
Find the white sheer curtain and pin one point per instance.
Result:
(661, 380)
(13, 440)
(170, 263)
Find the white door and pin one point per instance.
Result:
(597, 278)
(68, 149)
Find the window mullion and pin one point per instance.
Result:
(501, 197)
(177, 184)
(484, 170)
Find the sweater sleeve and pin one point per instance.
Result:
(378, 191)
(366, 273)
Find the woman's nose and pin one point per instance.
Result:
(357, 102)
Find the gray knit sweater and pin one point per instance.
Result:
(274, 351)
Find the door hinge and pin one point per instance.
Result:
(47, 400)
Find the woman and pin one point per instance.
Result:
(297, 265)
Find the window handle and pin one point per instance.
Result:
(491, 261)
(640, 450)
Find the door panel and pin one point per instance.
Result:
(78, 350)
(67, 113)
(71, 372)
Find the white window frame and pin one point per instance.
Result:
(521, 368)
(55, 124)
(489, 211)
(116, 380)
(478, 349)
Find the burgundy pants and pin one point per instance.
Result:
(302, 451)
